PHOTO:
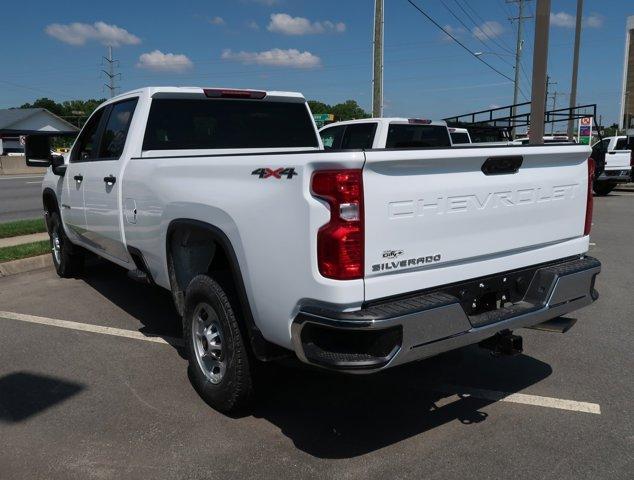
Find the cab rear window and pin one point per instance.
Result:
(183, 124)
(417, 136)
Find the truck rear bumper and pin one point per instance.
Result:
(415, 326)
(623, 175)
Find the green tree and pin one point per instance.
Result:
(348, 110)
(51, 105)
(319, 107)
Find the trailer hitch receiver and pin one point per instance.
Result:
(503, 343)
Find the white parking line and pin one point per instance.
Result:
(524, 399)
(493, 395)
(86, 327)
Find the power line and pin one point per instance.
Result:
(505, 48)
(458, 41)
(465, 26)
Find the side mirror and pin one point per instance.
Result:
(37, 150)
(58, 165)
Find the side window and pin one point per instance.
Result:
(331, 137)
(359, 135)
(621, 144)
(116, 130)
(86, 145)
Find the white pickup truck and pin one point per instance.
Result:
(353, 260)
(614, 159)
(385, 132)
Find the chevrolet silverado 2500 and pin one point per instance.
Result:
(352, 260)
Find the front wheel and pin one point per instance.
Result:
(218, 358)
(603, 188)
(67, 258)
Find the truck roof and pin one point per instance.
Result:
(387, 120)
(199, 91)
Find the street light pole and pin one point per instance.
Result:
(518, 56)
(575, 69)
(540, 63)
(377, 81)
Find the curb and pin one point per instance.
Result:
(23, 239)
(25, 265)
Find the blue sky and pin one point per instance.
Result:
(322, 49)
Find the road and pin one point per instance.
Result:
(20, 197)
(81, 401)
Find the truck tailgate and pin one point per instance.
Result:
(433, 217)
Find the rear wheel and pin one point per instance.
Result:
(68, 259)
(603, 188)
(218, 359)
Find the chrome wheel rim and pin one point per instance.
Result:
(208, 339)
(56, 247)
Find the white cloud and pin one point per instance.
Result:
(287, 25)
(455, 31)
(253, 25)
(158, 61)
(217, 21)
(276, 57)
(594, 20)
(80, 33)
(562, 19)
(490, 29)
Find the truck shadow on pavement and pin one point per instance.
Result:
(152, 306)
(342, 416)
(337, 416)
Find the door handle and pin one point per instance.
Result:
(110, 179)
(78, 178)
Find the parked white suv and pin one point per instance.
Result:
(353, 260)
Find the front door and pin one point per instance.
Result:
(102, 183)
(84, 151)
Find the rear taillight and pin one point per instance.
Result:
(589, 201)
(340, 243)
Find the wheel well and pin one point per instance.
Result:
(195, 248)
(49, 200)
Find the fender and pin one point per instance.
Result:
(262, 348)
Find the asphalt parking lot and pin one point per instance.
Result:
(78, 400)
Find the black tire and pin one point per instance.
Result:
(227, 389)
(603, 188)
(68, 259)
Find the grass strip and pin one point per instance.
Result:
(22, 227)
(24, 251)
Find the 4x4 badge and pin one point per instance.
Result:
(277, 173)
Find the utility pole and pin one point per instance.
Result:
(540, 63)
(110, 73)
(548, 84)
(377, 80)
(575, 68)
(554, 97)
(518, 53)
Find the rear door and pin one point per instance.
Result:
(102, 182)
(430, 209)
